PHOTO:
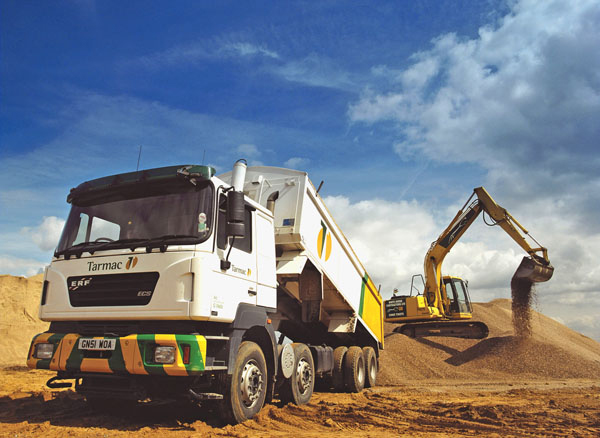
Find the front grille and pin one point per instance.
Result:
(112, 289)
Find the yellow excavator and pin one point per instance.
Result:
(444, 307)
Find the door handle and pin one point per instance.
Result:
(251, 292)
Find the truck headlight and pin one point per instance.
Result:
(164, 354)
(43, 351)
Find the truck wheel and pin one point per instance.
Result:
(370, 365)
(354, 369)
(248, 388)
(299, 387)
(337, 375)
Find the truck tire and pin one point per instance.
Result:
(247, 390)
(354, 370)
(299, 387)
(370, 366)
(337, 374)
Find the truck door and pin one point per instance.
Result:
(239, 281)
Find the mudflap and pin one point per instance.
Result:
(454, 329)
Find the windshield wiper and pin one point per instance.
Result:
(139, 240)
(116, 243)
(160, 242)
(79, 248)
(94, 246)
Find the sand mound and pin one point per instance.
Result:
(551, 351)
(19, 302)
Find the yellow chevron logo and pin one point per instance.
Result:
(324, 242)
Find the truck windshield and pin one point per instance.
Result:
(182, 216)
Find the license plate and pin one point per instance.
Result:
(97, 344)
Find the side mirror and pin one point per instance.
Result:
(236, 213)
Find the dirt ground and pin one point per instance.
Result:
(569, 408)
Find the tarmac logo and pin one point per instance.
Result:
(324, 242)
(247, 272)
(108, 266)
(131, 262)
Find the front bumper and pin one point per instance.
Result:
(133, 354)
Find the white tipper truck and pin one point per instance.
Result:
(174, 283)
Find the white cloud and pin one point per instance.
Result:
(589, 325)
(391, 253)
(251, 153)
(20, 267)
(374, 108)
(420, 73)
(296, 163)
(579, 298)
(526, 90)
(45, 235)
(248, 150)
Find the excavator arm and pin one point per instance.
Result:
(535, 268)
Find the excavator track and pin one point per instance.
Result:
(454, 329)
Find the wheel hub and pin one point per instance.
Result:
(304, 376)
(361, 373)
(251, 384)
(372, 371)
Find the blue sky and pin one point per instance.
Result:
(401, 107)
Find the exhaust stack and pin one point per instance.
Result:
(238, 176)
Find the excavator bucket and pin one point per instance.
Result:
(533, 270)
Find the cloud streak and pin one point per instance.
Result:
(224, 48)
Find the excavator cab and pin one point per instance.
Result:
(458, 294)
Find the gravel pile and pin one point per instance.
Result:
(550, 350)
